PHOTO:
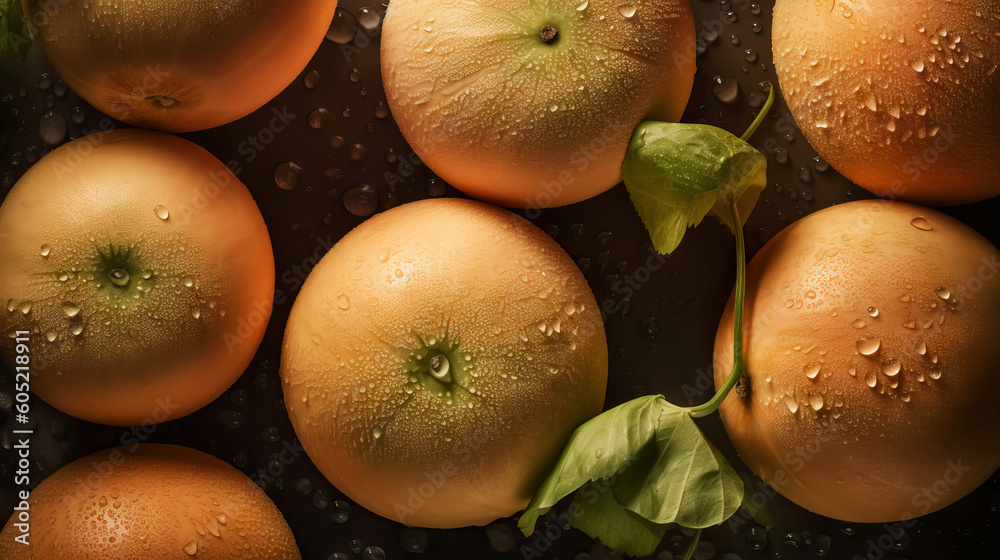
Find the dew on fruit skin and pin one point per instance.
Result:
(343, 302)
(853, 371)
(627, 11)
(343, 27)
(812, 370)
(188, 281)
(52, 128)
(892, 367)
(196, 313)
(287, 175)
(816, 401)
(376, 433)
(859, 323)
(76, 330)
(873, 311)
(46, 250)
(191, 548)
(935, 372)
(910, 324)
(791, 403)
(440, 367)
(583, 6)
(70, 309)
(871, 379)
(119, 277)
(319, 118)
(868, 346)
(943, 293)
(161, 212)
(922, 348)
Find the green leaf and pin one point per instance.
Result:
(687, 481)
(677, 173)
(14, 36)
(654, 468)
(597, 449)
(600, 516)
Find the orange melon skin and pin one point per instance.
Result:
(900, 99)
(870, 393)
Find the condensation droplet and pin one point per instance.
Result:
(343, 27)
(286, 175)
(892, 367)
(868, 346)
(816, 401)
(859, 323)
(369, 19)
(191, 548)
(161, 212)
(311, 79)
(46, 250)
(319, 118)
(791, 403)
(725, 89)
(871, 379)
(934, 373)
(626, 11)
(873, 311)
(812, 370)
(70, 309)
(943, 293)
(922, 348)
(361, 200)
(52, 128)
(343, 302)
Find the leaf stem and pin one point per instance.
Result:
(692, 545)
(741, 286)
(760, 116)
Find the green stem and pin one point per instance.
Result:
(693, 545)
(760, 116)
(741, 286)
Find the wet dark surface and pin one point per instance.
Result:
(660, 335)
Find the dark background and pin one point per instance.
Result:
(660, 341)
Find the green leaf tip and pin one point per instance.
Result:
(15, 38)
(641, 467)
(678, 173)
